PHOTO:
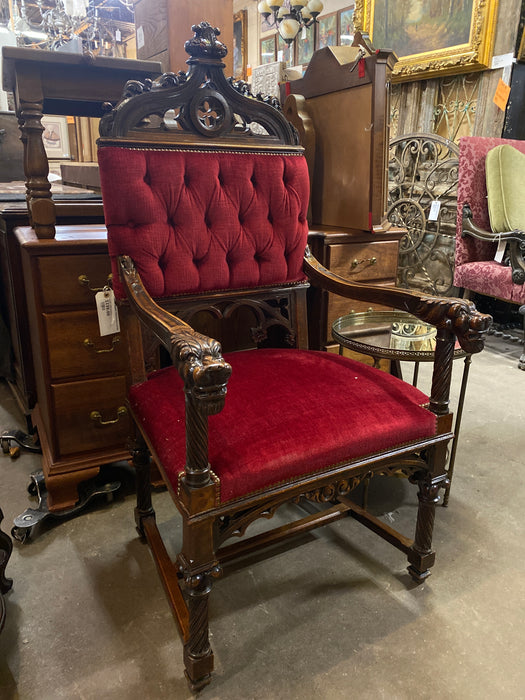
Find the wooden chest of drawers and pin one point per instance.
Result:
(355, 255)
(80, 377)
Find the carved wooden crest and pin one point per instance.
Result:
(201, 102)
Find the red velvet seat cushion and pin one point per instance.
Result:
(288, 413)
(195, 222)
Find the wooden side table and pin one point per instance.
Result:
(399, 336)
(50, 82)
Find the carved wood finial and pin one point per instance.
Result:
(205, 43)
(201, 102)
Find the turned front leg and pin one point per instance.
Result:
(421, 555)
(198, 656)
(38, 189)
(141, 462)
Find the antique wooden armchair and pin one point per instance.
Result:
(476, 270)
(209, 219)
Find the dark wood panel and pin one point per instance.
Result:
(151, 23)
(181, 17)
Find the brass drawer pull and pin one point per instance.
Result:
(90, 344)
(97, 416)
(370, 261)
(84, 281)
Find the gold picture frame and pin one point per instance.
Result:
(240, 51)
(460, 35)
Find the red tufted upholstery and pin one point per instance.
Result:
(475, 267)
(270, 447)
(152, 199)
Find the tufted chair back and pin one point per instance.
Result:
(197, 221)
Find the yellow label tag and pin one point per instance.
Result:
(501, 96)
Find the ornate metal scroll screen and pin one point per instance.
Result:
(423, 175)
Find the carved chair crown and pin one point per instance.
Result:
(201, 102)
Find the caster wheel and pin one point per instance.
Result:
(20, 534)
(5, 446)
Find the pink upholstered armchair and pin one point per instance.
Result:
(207, 226)
(475, 268)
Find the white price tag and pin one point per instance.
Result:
(140, 37)
(434, 210)
(107, 312)
(500, 252)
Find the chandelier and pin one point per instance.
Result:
(291, 16)
(52, 24)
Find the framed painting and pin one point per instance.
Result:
(268, 49)
(239, 45)
(442, 37)
(346, 26)
(305, 45)
(55, 137)
(284, 51)
(327, 31)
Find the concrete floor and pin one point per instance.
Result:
(335, 617)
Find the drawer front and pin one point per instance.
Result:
(366, 261)
(72, 280)
(339, 306)
(78, 430)
(77, 349)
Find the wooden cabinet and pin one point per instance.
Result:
(163, 27)
(341, 111)
(353, 256)
(14, 303)
(80, 376)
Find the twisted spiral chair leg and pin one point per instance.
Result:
(421, 555)
(198, 656)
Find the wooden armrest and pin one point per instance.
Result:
(457, 316)
(198, 358)
(516, 241)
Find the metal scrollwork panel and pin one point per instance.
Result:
(422, 193)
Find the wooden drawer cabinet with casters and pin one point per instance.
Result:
(80, 415)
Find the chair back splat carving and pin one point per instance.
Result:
(205, 193)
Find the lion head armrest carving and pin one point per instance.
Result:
(459, 316)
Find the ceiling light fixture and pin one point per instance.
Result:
(291, 15)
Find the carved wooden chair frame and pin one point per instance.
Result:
(207, 110)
